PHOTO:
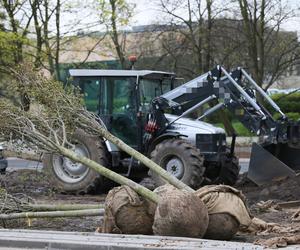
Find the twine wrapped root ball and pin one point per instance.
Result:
(179, 214)
(126, 212)
(227, 211)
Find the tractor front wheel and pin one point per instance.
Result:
(181, 159)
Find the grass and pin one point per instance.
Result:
(239, 128)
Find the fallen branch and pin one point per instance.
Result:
(64, 207)
(63, 110)
(22, 203)
(35, 128)
(53, 214)
(93, 123)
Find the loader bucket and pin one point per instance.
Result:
(273, 162)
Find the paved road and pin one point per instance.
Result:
(15, 164)
(244, 163)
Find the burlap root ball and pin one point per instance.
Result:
(127, 213)
(227, 211)
(222, 226)
(179, 213)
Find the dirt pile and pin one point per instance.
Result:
(285, 189)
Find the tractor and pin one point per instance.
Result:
(155, 114)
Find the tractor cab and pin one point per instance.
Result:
(122, 98)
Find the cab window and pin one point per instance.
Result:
(150, 88)
(90, 88)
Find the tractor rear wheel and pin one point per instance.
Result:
(73, 177)
(226, 172)
(229, 171)
(181, 159)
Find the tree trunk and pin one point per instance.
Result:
(38, 31)
(53, 214)
(115, 35)
(47, 39)
(64, 207)
(57, 49)
(144, 192)
(137, 155)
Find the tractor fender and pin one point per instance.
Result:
(161, 138)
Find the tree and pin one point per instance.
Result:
(19, 28)
(60, 113)
(47, 45)
(194, 20)
(115, 15)
(271, 51)
(9, 51)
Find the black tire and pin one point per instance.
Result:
(189, 155)
(91, 181)
(229, 171)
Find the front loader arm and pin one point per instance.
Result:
(234, 91)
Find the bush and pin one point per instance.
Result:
(289, 104)
(240, 129)
(291, 115)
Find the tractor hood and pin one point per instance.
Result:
(190, 127)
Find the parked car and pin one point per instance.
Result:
(3, 161)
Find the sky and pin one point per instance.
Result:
(146, 12)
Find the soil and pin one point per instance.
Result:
(280, 191)
(34, 184)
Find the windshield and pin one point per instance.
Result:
(150, 88)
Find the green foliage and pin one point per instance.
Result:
(8, 41)
(289, 104)
(45, 95)
(291, 115)
(240, 129)
(119, 10)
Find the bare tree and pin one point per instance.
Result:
(271, 51)
(47, 45)
(116, 14)
(194, 20)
